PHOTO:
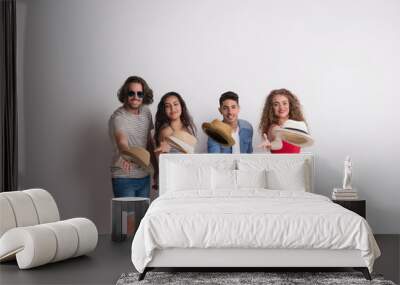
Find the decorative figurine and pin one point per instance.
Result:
(347, 173)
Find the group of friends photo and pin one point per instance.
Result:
(138, 141)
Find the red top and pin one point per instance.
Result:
(287, 148)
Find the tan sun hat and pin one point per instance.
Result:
(295, 132)
(137, 155)
(183, 141)
(220, 132)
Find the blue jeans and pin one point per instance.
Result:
(131, 187)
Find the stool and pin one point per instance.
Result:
(127, 212)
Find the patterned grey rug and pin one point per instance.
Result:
(270, 278)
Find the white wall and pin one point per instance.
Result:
(340, 57)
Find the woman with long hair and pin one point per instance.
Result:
(172, 116)
(281, 105)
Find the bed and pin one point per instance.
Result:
(245, 211)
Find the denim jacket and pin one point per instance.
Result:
(245, 137)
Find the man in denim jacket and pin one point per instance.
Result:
(242, 130)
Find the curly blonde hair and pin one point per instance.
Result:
(268, 117)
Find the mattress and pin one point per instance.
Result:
(251, 219)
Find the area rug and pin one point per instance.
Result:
(269, 278)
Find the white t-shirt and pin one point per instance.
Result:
(236, 146)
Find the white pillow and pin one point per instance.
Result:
(292, 179)
(251, 178)
(224, 179)
(182, 177)
(281, 174)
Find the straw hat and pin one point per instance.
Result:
(220, 132)
(183, 141)
(137, 155)
(295, 132)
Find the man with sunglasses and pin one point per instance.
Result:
(130, 125)
(242, 130)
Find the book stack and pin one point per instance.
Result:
(344, 194)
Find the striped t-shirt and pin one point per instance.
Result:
(137, 128)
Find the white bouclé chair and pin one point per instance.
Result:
(31, 230)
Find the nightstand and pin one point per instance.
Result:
(126, 214)
(357, 206)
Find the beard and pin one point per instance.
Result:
(133, 105)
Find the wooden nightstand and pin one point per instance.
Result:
(357, 206)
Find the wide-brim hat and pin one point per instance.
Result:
(295, 132)
(183, 141)
(220, 132)
(137, 155)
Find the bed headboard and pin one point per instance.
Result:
(280, 163)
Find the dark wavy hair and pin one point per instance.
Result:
(162, 120)
(123, 91)
(268, 117)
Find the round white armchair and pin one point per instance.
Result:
(31, 232)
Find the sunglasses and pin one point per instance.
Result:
(139, 94)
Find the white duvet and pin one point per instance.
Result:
(253, 218)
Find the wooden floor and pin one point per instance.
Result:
(110, 260)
